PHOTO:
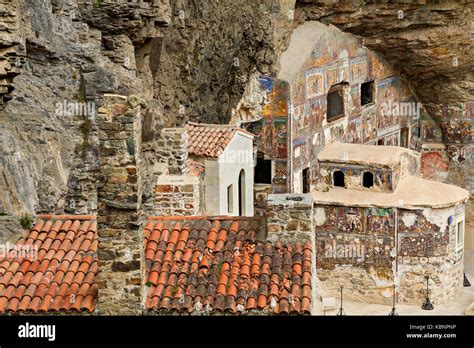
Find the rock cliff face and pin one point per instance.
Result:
(187, 60)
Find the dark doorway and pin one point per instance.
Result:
(306, 180)
(380, 141)
(263, 171)
(367, 93)
(404, 137)
(338, 178)
(242, 193)
(368, 179)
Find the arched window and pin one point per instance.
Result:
(368, 179)
(338, 178)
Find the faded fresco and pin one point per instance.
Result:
(384, 178)
(354, 248)
(272, 130)
(345, 60)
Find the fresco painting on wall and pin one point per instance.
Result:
(369, 124)
(457, 131)
(415, 141)
(353, 132)
(337, 133)
(350, 220)
(280, 135)
(427, 244)
(355, 101)
(392, 139)
(317, 109)
(469, 110)
(414, 221)
(315, 83)
(332, 77)
(431, 132)
(299, 118)
(298, 93)
(275, 103)
(387, 94)
(383, 179)
(330, 218)
(380, 221)
(280, 177)
(358, 68)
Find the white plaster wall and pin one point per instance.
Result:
(225, 171)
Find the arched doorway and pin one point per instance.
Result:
(368, 180)
(242, 193)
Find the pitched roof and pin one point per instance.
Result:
(210, 140)
(201, 265)
(58, 270)
(363, 154)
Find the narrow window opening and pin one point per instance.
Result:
(368, 180)
(230, 199)
(404, 137)
(460, 235)
(263, 171)
(306, 180)
(338, 178)
(242, 194)
(367, 93)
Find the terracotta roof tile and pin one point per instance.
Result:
(63, 274)
(221, 266)
(209, 140)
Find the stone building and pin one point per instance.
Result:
(216, 175)
(333, 89)
(377, 223)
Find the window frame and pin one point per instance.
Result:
(459, 243)
(230, 199)
(261, 156)
(372, 102)
(362, 179)
(335, 88)
(343, 177)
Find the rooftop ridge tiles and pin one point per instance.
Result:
(66, 217)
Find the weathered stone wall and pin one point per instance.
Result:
(177, 195)
(355, 248)
(289, 217)
(173, 149)
(427, 247)
(328, 57)
(261, 192)
(119, 193)
(367, 250)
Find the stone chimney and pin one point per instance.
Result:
(290, 217)
(120, 251)
(172, 149)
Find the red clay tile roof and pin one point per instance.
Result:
(210, 140)
(195, 168)
(61, 276)
(201, 265)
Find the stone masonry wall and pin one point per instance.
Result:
(177, 195)
(427, 246)
(119, 196)
(289, 217)
(173, 149)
